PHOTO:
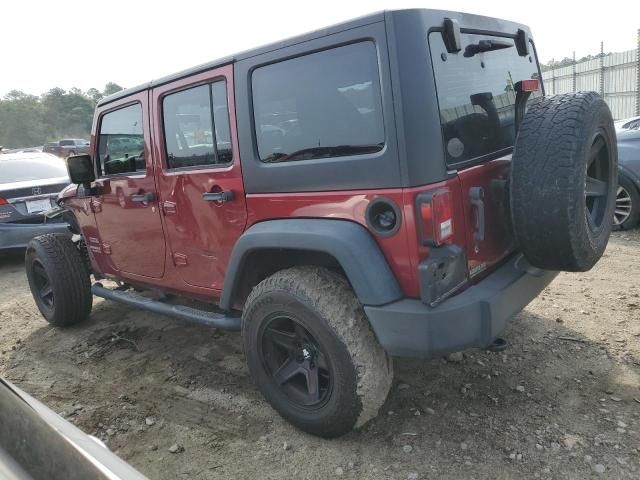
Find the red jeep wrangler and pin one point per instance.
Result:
(367, 190)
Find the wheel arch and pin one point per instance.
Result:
(342, 245)
(630, 175)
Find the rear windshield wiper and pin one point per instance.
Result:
(321, 152)
(485, 46)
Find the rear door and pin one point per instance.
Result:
(476, 96)
(126, 207)
(199, 178)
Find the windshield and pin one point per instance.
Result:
(476, 94)
(24, 169)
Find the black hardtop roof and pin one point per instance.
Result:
(489, 22)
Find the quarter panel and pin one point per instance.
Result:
(352, 206)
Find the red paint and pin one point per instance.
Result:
(416, 250)
(347, 205)
(132, 230)
(181, 244)
(403, 250)
(202, 233)
(199, 235)
(498, 235)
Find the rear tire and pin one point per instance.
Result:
(563, 181)
(627, 213)
(321, 333)
(58, 279)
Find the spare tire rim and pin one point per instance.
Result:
(623, 206)
(295, 361)
(597, 183)
(44, 290)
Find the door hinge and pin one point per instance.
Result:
(96, 205)
(180, 259)
(169, 208)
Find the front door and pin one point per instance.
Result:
(126, 207)
(199, 182)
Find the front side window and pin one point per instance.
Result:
(476, 93)
(190, 136)
(325, 104)
(121, 141)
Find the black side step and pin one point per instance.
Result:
(212, 319)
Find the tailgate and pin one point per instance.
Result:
(485, 199)
(477, 92)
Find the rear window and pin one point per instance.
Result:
(196, 127)
(476, 95)
(25, 169)
(325, 104)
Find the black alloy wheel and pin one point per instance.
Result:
(597, 183)
(59, 280)
(43, 284)
(312, 353)
(295, 361)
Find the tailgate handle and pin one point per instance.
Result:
(476, 197)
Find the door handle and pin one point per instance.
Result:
(143, 197)
(223, 196)
(476, 197)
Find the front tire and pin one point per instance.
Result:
(58, 279)
(312, 353)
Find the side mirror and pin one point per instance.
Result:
(80, 168)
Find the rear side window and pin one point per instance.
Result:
(325, 104)
(66, 143)
(196, 126)
(121, 141)
(476, 94)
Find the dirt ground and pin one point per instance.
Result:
(562, 402)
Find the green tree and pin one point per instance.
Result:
(111, 88)
(20, 120)
(28, 120)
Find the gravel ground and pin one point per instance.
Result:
(175, 400)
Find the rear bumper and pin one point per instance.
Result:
(473, 318)
(17, 235)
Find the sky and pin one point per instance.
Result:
(84, 44)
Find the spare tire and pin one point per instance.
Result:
(563, 181)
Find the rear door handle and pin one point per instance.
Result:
(143, 197)
(476, 197)
(223, 196)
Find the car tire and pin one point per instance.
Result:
(58, 279)
(627, 212)
(563, 181)
(307, 318)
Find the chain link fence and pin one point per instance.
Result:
(615, 76)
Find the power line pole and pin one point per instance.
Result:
(602, 69)
(638, 74)
(574, 71)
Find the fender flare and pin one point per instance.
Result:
(348, 242)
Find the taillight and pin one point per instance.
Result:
(435, 217)
(3, 201)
